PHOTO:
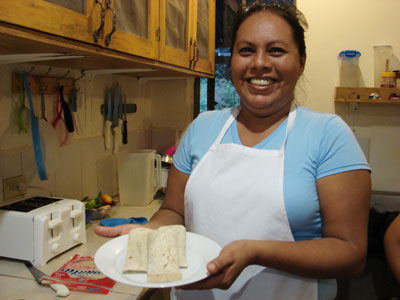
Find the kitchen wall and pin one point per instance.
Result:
(355, 25)
(83, 166)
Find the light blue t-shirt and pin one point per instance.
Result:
(318, 145)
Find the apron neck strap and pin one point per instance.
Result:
(235, 112)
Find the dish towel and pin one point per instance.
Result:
(112, 222)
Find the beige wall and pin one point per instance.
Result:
(83, 167)
(346, 25)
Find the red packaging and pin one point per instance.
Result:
(80, 274)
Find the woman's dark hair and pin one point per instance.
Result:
(282, 8)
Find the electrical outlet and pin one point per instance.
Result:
(14, 187)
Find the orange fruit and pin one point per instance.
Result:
(107, 200)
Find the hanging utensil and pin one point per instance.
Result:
(22, 114)
(67, 112)
(115, 122)
(120, 117)
(108, 123)
(73, 101)
(42, 102)
(58, 123)
(125, 125)
(35, 133)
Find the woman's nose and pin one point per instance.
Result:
(261, 61)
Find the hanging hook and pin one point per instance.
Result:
(59, 78)
(41, 87)
(82, 75)
(31, 70)
(47, 73)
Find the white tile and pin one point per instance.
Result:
(69, 173)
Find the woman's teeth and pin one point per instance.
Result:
(260, 81)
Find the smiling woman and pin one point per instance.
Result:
(282, 189)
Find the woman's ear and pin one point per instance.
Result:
(302, 63)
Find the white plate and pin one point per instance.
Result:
(110, 259)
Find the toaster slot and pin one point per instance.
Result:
(54, 223)
(76, 213)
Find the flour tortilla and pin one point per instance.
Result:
(180, 232)
(159, 252)
(163, 261)
(136, 254)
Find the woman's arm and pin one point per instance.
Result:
(391, 242)
(170, 212)
(344, 202)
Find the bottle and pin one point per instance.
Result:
(388, 79)
(397, 79)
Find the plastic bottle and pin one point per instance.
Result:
(388, 79)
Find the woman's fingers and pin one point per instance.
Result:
(114, 231)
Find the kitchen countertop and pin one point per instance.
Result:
(16, 282)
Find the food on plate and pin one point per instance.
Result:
(136, 255)
(163, 261)
(180, 232)
(159, 252)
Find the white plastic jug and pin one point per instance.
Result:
(349, 70)
(139, 177)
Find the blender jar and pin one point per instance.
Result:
(382, 57)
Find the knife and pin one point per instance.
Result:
(107, 126)
(42, 278)
(125, 125)
(120, 116)
(115, 121)
(67, 112)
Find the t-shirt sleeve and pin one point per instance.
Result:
(339, 149)
(182, 159)
(197, 139)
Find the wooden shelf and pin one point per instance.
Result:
(361, 95)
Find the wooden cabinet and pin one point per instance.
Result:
(177, 32)
(187, 33)
(204, 36)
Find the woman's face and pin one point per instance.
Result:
(265, 64)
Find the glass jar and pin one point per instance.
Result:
(388, 79)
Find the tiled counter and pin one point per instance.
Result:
(16, 282)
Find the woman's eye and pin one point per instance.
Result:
(277, 51)
(245, 50)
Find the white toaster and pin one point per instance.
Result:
(39, 228)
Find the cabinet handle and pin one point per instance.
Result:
(108, 36)
(193, 59)
(190, 51)
(96, 33)
(196, 57)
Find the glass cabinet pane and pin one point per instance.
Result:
(75, 5)
(202, 28)
(132, 17)
(176, 24)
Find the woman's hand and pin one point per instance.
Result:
(225, 268)
(115, 231)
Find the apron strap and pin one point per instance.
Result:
(235, 112)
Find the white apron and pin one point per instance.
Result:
(236, 192)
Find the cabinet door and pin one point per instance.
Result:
(202, 55)
(136, 27)
(175, 31)
(76, 19)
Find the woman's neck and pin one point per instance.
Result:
(254, 129)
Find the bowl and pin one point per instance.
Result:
(96, 213)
